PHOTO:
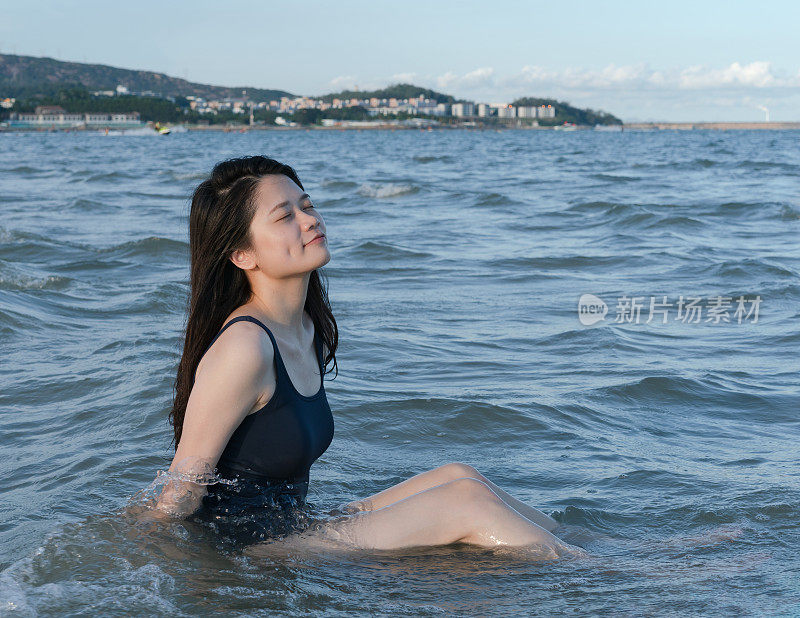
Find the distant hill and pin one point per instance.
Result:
(566, 113)
(28, 76)
(35, 81)
(396, 91)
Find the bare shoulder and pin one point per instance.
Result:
(228, 383)
(244, 348)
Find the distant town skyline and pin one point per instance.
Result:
(683, 61)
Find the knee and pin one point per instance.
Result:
(471, 491)
(458, 470)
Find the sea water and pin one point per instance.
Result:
(603, 324)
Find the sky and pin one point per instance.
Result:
(641, 61)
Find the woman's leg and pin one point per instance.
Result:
(444, 474)
(465, 510)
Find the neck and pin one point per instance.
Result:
(282, 302)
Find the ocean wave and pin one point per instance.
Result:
(106, 177)
(166, 299)
(591, 518)
(383, 250)
(18, 246)
(789, 213)
(23, 170)
(181, 176)
(389, 189)
(615, 177)
(432, 158)
(339, 184)
(152, 246)
(494, 199)
(769, 165)
(89, 205)
(21, 282)
(748, 269)
(389, 422)
(678, 395)
(581, 338)
(600, 207)
(566, 262)
(677, 221)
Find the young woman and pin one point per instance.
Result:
(250, 399)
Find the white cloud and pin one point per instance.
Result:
(633, 91)
(350, 82)
(483, 81)
(755, 74)
(403, 78)
(343, 82)
(638, 76)
(479, 78)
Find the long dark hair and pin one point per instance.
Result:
(223, 206)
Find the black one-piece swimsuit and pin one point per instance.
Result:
(268, 457)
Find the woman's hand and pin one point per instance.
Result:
(185, 487)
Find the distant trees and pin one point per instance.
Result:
(76, 98)
(354, 112)
(567, 113)
(395, 91)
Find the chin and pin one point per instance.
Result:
(324, 259)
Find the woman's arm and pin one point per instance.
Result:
(184, 488)
(228, 383)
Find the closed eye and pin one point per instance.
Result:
(309, 207)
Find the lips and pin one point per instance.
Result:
(315, 238)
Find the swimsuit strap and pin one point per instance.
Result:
(317, 339)
(249, 318)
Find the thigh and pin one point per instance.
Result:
(439, 515)
(415, 484)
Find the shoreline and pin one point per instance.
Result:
(633, 126)
(715, 126)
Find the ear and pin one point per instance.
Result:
(243, 259)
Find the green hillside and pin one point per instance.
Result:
(45, 81)
(27, 76)
(397, 91)
(566, 113)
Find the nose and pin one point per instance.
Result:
(313, 220)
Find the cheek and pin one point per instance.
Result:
(281, 243)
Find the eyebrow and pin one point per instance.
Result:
(286, 203)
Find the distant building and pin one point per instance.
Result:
(526, 112)
(53, 115)
(463, 109)
(545, 111)
(443, 109)
(484, 110)
(122, 89)
(7, 103)
(429, 109)
(506, 111)
(49, 109)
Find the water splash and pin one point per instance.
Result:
(148, 498)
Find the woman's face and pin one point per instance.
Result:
(284, 224)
